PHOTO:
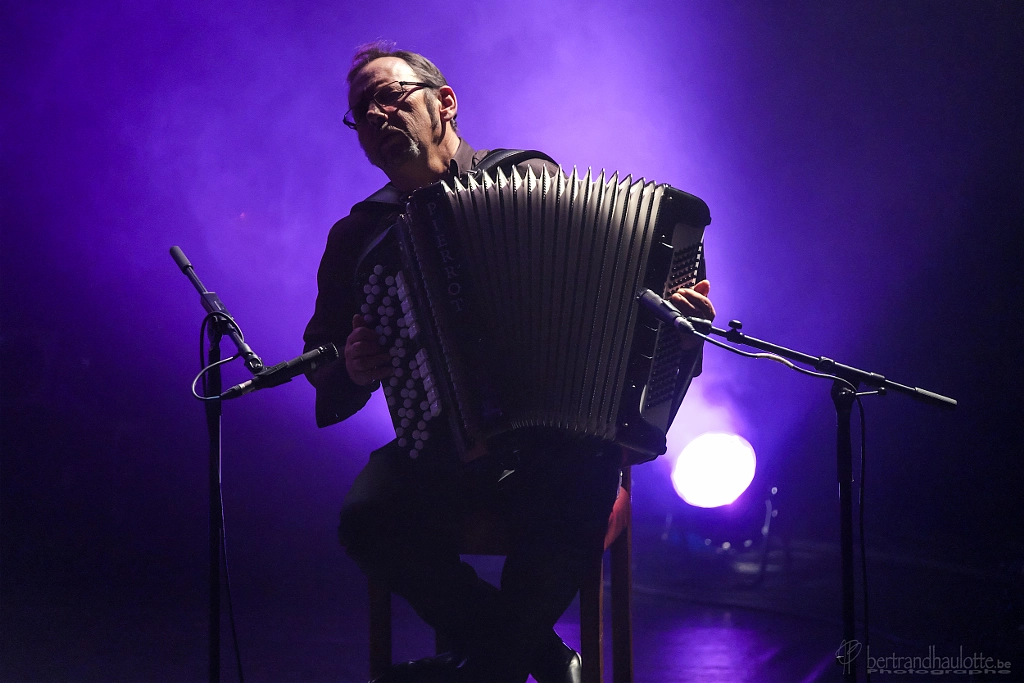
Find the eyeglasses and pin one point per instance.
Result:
(386, 97)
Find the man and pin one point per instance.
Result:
(398, 520)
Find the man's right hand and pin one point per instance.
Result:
(365, 359)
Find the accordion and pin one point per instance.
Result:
(509, 301)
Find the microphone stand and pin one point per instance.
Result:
(221, 324)
(214, 412)
(843, 395)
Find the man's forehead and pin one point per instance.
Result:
(378, 72)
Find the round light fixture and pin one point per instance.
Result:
(714, 469)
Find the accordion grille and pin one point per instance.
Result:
(554, 263)
(669, 354)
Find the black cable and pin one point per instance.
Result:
(202, 375)
(202, 335)
(778, 359)
(202, 356)
(227, 589)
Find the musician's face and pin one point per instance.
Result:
(402, 133)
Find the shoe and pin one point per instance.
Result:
(556, 662)
(446, 667)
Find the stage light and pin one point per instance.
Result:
(714, 469)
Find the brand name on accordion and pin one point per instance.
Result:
(449, 265)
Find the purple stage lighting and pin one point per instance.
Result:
(714, 469)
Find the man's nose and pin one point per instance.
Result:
(376, 111)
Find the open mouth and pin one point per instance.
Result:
(392, 136)
(390, 132)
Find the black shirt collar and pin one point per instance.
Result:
(464, 160)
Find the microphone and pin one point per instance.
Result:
(669, 314)
(212, 303)
(283, 372)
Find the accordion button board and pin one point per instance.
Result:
(411, 392)
(509, 301)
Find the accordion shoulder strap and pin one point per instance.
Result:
(388, 194)
(503, 158)
(507, 158)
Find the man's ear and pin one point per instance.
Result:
(449, 103)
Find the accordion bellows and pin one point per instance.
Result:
(509, 301)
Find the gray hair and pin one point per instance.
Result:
(424, 69)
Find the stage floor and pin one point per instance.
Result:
(303, 618)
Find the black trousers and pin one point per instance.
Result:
(399, 522)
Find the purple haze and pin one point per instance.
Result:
(861, 161)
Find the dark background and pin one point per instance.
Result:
(863, 165)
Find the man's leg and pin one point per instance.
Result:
(397, 524)
(558, 502)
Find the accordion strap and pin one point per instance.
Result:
(496, 158)
(507, 158)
